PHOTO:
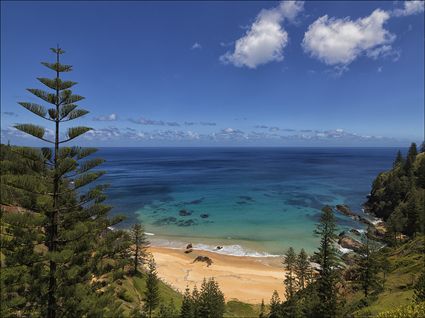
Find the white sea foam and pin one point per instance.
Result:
(344, 250)
(233, 250)
(149, 234)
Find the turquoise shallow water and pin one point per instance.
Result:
(249, 200)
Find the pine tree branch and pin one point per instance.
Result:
(56, 83)
(75, 114)
(57, 67)
(74, 132)
(47, 97)
(35, 108)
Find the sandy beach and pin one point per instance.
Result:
(248, 279)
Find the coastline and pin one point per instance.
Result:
(245, 278)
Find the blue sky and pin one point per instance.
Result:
(224, 73)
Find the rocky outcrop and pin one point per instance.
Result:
(204, 215)
(204, 259)
(355, 232)
(345, 210)
(350, 243)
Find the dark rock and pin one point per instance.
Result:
(189, 250)
(165, 221)
(204, 259)
(355, 232)
(186, 222)
(348, 242)
(219, 247)
(342, 234)
(184, 212)
(189, 246)
(246, 198)
(345, 209)
(204, 215)
(197, 201)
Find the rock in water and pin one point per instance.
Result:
(348, 242)
(184, 212)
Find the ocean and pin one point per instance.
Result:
(250, 201)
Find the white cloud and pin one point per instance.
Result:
(110, 117)
(196, 46)
(265, 40)
(410, 7)
(341, 41)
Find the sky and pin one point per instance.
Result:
(267, 73)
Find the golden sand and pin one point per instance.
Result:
(248, 279)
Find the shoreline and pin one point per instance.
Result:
(245, 278)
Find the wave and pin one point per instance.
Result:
(232, 250)
(343, 250)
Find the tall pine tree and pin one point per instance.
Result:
(75, 227)
(151, 298)
(186, 310)
(302, 269)
(289, 266)
(141, 243)
(368, 266)
(329, 262)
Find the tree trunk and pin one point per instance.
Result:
(53, 219)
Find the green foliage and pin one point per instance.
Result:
(61, 258)
(368, 267)
(420, 288)
(151, 297)
(289, 263)
(410, 311)
(275, 305)
(327, 258)
(211, 300)
(186, 310)
(397, 195)
(141, 243)
(302, 269)
(167, 311)
(262, 310)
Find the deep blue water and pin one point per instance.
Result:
(263, 199)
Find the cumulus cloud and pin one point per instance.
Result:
(341, 41)
(104, 134)
(265, 40)
(196, 46)
(110, 117)
(410, 8)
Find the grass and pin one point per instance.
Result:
(406, 264)
(131, 290)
